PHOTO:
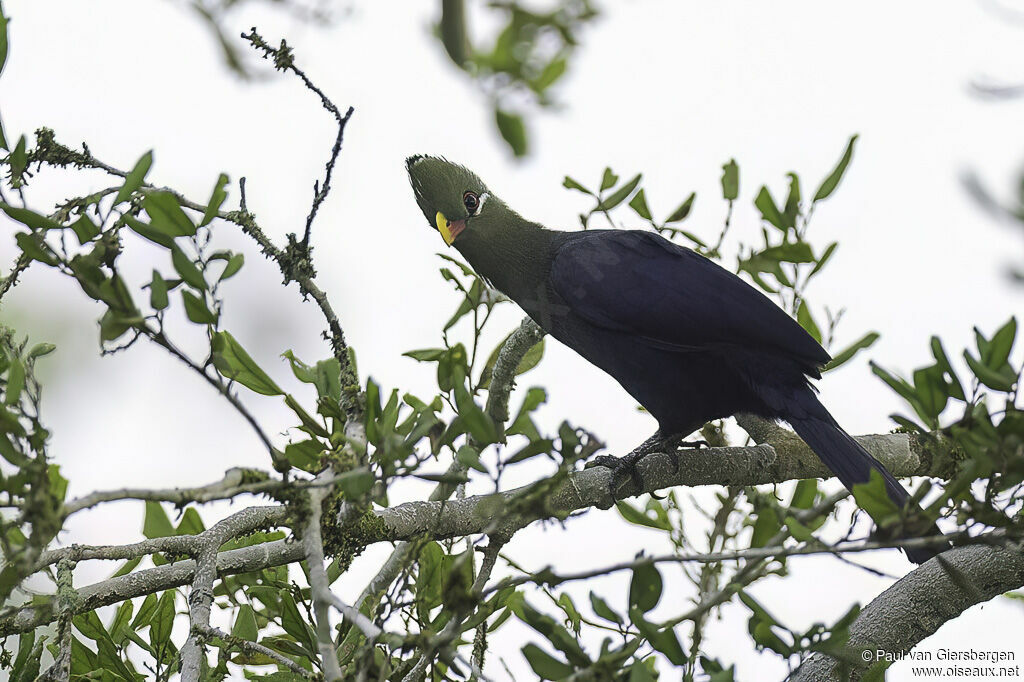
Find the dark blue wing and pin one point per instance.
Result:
(640, 283)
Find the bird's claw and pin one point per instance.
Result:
(623, 468)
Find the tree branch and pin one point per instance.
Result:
(903, 454)
(918, 604)
(313, 548)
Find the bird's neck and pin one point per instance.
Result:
(516, 259)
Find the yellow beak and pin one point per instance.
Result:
(443, 228)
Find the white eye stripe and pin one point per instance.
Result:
(480, 206)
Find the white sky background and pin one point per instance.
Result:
(670, 89)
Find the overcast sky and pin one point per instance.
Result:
(670, 89)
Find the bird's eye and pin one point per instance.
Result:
(471, 201)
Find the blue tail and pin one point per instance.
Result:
(850, 462)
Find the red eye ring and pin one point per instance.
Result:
(471, 201)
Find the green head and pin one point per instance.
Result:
(454, 200)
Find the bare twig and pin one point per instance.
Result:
(236, 481)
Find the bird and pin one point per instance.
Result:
(689, 340)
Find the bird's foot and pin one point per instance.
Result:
(625, 468)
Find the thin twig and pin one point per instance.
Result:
(254, 648)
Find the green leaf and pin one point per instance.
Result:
(569, 183)
(304, 454)
(530, 360)
(765, 527)
(479, 423)
(156, 524)
(191, 523)
(804, 494)
(953, 385)
(619, 195)
(872, 498)
(552, 71)
(196, 310)
(158, 292)
(798, 530)
(799, 252)
(426, 354)
(29, 218)
(645, 587)
(41, 349)
(90, 625)
(512, 130)
(294, 624)
(608, 179)
(234, 363)
(569, 608)
(235, 264)
(730, 180)
(355, 483)
(683, 211)
(551, 630)
(84, 229)
(135, 177)
(121, 621)
(638, 672)
(997, 381)
(769, 211)
(15, 382)
(113, 325)
(847, 354)
(829, 250)
(146, 231)
(639, 204)
(469, 457)
(602, 609)
(245, 624)
(663, 640)
(216, 201)
(58, 484)
(792, 208)
(188, 270)
(127, 567)
(163, 621)
(1000, 345)
(34, 246)
(301, 370)
(146, 611)
(638, 517)
(829, 184)
(17, 161)
(166, 215)
(806, 320)
(545, 665)
(3, 40)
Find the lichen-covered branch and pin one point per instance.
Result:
(903, 454)
(919, 603)
(313, 548)
(236, 481)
